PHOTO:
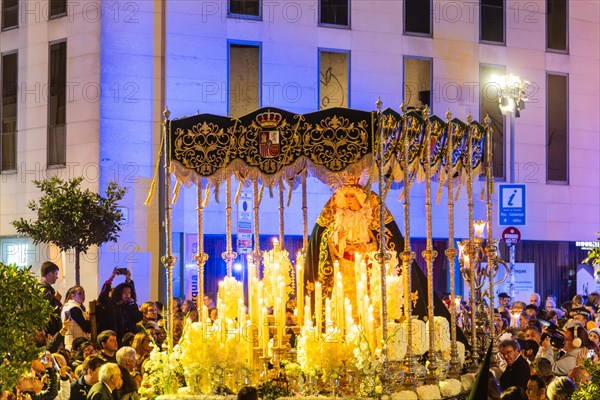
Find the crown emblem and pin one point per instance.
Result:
(268, 119)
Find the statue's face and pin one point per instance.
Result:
(351, 201)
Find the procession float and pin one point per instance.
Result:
(351, 314)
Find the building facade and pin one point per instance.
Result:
(120, 63)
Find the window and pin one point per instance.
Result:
(334, 79)
(58, 8)
(10, 14)
(556, 25)
(57, 104)
(489, 96)
(334, 12)
(491, 21)
(245, 7)
(417, 82)
(8, 111)
(417, 17)
(557, 128)
(244, 79)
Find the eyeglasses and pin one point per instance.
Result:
(507, 353)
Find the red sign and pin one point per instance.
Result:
(511, 236)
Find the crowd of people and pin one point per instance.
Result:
(542, 348)
(111, 367)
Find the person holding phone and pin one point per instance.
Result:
(75, 311)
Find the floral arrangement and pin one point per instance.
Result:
(419, 336)
(163, 374)
(309, 351)
(404, 395)
(460, 349)
(450, 387)
(441, 340)
(333, 346)
(429, 392)
(467, 381)
(396, 343)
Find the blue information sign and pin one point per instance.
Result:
(512, 204)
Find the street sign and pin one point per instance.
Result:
(244, 223)
(512, 204)
(511, 236)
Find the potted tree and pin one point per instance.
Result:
(73, 218)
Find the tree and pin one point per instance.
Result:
(73, 218)
(23, 309)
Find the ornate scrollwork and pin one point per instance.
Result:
(205, 147)
(336, 142)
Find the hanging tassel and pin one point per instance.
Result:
(482, 194)
(440, 188)
(217, 188)
(260, 194)
(289, 196)
(206, 195)
(239, 191)
(150, 192)
(176, 191)
(155, 176)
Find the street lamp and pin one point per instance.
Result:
(511, 98)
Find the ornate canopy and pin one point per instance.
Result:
(271, 145)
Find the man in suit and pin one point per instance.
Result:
(110, 380)
(517, 368)
(89, 377)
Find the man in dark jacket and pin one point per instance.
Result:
(89, 376)
(49, 272)
(109, 381)
(517, 368)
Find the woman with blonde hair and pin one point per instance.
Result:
(141, 344)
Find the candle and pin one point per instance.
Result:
(307, 321)
(300, 287)
(251, 293)
(371, 329)
(349, 319)
(360, 295)
(264, 326)
(204, 318)
(277, 315)
(318, 308)
(327, 313)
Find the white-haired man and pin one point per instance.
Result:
(110, 380)
(126, 361)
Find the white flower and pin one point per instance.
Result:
(450, 387)
(429, 392)
(405, 395)
(467, 381)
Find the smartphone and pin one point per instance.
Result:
(121, 271)
(590, 353)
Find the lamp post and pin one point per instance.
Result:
(511, 100)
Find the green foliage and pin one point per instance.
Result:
(73, 218)
(593, 256)
(271, 390)
(590, 391)
(22, 310)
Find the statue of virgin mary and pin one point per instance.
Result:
(348, 227)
